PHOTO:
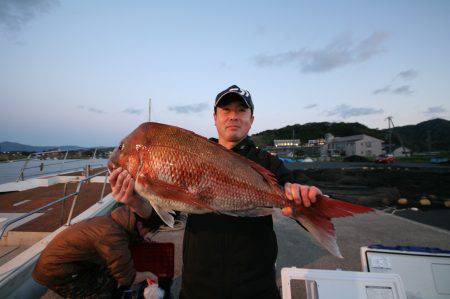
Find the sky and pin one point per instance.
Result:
(82, 72)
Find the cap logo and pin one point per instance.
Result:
(244, 93)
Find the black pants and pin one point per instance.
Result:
(229, 257)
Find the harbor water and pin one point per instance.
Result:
(9, 172)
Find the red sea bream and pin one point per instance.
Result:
(176, 169)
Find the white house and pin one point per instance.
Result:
(402, 152)
(360, 145)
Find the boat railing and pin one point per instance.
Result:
(42, 165)
(62, 199)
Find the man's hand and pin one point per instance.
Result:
(141, 276)
(122, 186)
(302, 195)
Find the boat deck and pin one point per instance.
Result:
(21, 235)
(54, 216)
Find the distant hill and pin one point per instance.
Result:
(414, 137)
(7, 146)
(436, 132)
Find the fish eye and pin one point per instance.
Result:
(121, 146)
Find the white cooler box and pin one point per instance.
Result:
(299, 283)
(425, 272)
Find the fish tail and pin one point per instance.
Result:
(317, 220)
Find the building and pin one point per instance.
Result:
(360, 145)
(285, 148)
(286, 142)
(402, 152)
(316, 142)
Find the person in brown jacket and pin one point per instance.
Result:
(91, 258)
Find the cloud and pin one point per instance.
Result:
(345, 111)
(401, 90)
(133, 111)
(310, 106)
(261, 30)
(14, 14)
(407, 75)
(340, 52)
(95, 110)
(188, 109)
(432, 111)
(224, 65)
(382, 90)
(91, 109)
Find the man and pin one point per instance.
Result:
(91, 258)
(226, 256)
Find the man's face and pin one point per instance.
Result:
(233, 121)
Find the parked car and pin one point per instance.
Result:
(286, 160)
(439, 160)
(385, 159)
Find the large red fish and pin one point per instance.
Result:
(175, 169)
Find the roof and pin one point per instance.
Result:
(352, 138)
(402, 149)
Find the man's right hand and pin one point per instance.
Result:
(122, 186)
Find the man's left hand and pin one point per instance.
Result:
(302, 195)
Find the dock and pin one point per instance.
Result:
(297, 249)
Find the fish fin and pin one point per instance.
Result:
(317, 220)
(164, 215)
(268, 176)
(172, 192)
(322, 230)
(258, 212)
(333, 208)
(265, 173)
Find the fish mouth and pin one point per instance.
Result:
(111, 166)
(112, 161)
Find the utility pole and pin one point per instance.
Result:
(149, 109)
(389, 119)
(391, 131)
(293, 146)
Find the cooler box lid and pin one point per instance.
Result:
(425, 271)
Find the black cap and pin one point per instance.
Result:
(243, 94)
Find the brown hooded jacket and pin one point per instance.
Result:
(98, 241)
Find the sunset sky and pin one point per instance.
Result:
(81, 72)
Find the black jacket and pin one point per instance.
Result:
(233, 257)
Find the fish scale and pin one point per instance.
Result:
(180, 170)
(176, 169)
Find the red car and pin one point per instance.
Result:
(385, 159)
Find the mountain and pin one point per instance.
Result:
(7, 146)
(414, 137)
(428, 135)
